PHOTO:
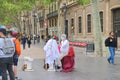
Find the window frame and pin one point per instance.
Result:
(89, 24)
(80, 24)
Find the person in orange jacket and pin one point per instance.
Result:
(17, 52)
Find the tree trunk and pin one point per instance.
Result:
(97, 27)
(59, 28)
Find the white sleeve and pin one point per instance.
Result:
(65, 43)
(47, 46)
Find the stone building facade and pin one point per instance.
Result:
(80, 18)
(79, 21)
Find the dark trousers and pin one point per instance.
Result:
(29, 45)
(6, 65)
(0, 73)
(23, 46)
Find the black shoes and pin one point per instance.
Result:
(111, 62)
(108, 61)
(58, 67)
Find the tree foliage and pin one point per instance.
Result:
(83, 2)
(11, 9)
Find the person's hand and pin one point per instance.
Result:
(111, 40)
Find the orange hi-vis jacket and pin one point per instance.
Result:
(17, 46)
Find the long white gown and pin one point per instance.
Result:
(51, 50)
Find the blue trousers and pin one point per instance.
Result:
(112, 54)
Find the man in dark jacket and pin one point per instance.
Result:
(111, 43)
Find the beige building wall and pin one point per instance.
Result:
(114, 5)
(75, 10)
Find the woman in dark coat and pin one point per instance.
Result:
(24, 41)
(29, 41)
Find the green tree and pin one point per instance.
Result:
(10, 11)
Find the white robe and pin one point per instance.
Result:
(51, 50)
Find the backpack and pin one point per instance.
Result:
(107, 42)
(8, 47)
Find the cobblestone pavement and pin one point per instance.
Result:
(86, 68)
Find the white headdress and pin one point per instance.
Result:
(63, 36)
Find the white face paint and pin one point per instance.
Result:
(63, 36)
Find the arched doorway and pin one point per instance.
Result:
(116, 24)
(116, 21)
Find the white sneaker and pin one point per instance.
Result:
(51, 68)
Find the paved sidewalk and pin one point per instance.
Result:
(86, 68)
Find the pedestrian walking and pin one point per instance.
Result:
(17, 52)
(24, 39)
(29, 41)
(34, 38)
(38, 38)
(42, 36)
(7, 50)
(111, 43)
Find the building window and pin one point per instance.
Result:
(52, 22)
(54, 6)
(49, 23)
(89, 23)
(72, 26)
(72, 22)
(49, 8)
(80, 24)
(101, 20)
(55, 21)
(41, 24)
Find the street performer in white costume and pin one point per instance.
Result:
(52, 53)
(64, 47)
